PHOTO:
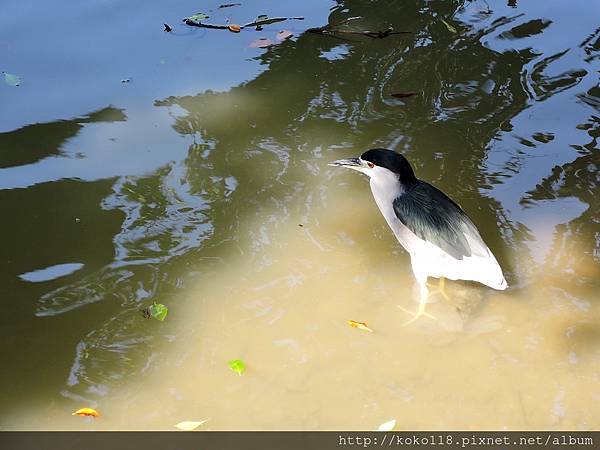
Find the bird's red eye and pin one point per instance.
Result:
(370, 164)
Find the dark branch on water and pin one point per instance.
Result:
(329, 30)
(255, 23)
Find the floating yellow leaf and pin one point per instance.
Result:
(86, 412)
(359, 325)
(190, 425)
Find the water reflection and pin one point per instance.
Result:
(24, 146)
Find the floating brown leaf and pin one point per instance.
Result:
(234, 28)
(284, 34)
(261, 43)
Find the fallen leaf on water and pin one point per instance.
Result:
(190, 425)
(403, 94)
(237, 365)
(261, 43)
(86, 412)
(284, 34)
(159, 311)
(234, 28)
(387, 426)
(199, 16)
(12, 80)
(229, 5)
(359, 325)
(168, 29)
(259, 20)
(543, 137)
(451, 29)
(263, 19)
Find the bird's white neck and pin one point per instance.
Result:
(385, 187)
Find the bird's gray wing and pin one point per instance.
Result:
(435, 218)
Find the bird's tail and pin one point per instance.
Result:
(502, 286)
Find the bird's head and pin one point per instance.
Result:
(380, 164)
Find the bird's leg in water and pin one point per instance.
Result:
(441, 289)
(423, 295)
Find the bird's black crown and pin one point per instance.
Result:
(392, 161)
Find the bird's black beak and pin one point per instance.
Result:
(350, 163)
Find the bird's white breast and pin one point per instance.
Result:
(427, 259)
(385, 189)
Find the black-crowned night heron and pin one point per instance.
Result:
(440, 238)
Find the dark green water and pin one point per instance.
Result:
(186, 184)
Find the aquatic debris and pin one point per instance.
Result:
(168, 29)
(86, 412)
(12, 80)
(190, 425)
(156, 311)
(126, 80)
(359, 325)
(263, 19)
(266, 42)
(451, 29)
(159, 311)
(331, 30)
(197, 18)
(544, 138)
(261, 43)
(403, 94)
(387, 426)
(283, 35)
(237, 365)
(229, 5)
(260, 18)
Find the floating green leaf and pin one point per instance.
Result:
(12, 80)
(198, 17)
(451, 29)
(159, 311)
(237, 365)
